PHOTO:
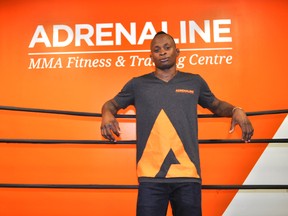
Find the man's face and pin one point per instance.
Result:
(163, 52)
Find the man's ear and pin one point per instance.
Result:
(177, 51)
(151, 57)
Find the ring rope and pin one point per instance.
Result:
(123, 142)
(65, 112)
(100, 186)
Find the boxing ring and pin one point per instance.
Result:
(123, 142)
(55, 142)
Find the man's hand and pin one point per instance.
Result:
(239, 117)
(110, 125)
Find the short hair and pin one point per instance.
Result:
(163, 33)
(159, 33)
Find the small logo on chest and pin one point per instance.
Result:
(185, 91)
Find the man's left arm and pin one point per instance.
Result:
(222, 108)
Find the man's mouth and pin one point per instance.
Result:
(164, 60)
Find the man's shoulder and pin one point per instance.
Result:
(188, 75)
(143, 77)
(181, 75)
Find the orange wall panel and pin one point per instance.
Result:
(251, 74)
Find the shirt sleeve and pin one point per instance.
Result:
(206, 97)
(126, 96)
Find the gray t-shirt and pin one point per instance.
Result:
(167, 126)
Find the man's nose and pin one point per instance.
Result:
(162, 52)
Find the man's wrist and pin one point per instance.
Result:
(235, 108)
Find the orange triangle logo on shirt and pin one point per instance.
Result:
(162, 140)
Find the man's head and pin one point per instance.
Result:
(163, 51)
(161, 33)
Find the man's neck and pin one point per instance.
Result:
(166, 75)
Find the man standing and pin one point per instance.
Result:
(168, 164)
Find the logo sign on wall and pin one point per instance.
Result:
(48, 47)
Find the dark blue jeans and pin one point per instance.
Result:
(153, 199)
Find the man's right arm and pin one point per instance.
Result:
(110, 125)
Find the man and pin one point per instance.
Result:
(168, 165)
